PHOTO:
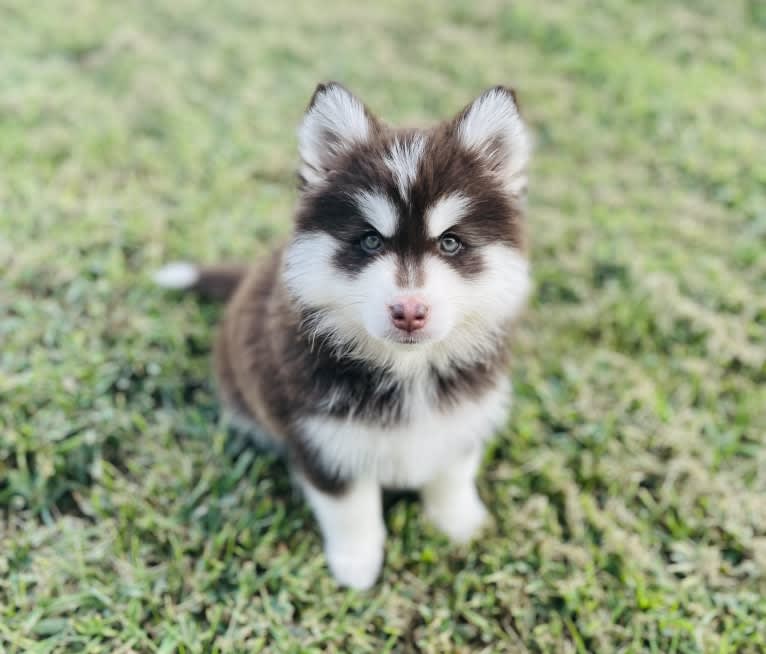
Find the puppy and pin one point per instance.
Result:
(373, 347)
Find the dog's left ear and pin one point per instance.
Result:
(492, 127)
(335, 120)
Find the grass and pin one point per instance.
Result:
(628, 489)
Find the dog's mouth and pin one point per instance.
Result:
(409, 339)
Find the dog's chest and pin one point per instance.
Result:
(412, 451)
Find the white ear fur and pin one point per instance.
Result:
(492, 126)
(334, 121)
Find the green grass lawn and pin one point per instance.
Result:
(629, 488)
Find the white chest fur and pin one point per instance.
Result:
(413, 452)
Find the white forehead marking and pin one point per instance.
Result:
(447, 212)
(403, 160)
(378, 210)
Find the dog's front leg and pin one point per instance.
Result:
(451, 500)
(353, 530)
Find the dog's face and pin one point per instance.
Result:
(410, 239)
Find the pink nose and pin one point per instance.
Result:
(409, 314)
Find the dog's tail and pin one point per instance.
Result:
(217, 282)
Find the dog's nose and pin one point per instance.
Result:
(409, 314)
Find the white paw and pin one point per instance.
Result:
(355, 564)
(460, 517)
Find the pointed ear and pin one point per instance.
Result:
(492, 126)
(334, 121)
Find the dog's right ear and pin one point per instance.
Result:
(335, 121)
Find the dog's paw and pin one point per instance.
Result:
(355, 564)
(460, 517)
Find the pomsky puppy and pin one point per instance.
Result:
(373, 347)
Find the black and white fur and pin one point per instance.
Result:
(374, 345)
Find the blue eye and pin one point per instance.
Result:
(371, 243)
(450, 244)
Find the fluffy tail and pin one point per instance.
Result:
(214, 282)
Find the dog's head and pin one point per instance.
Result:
(410, 239)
